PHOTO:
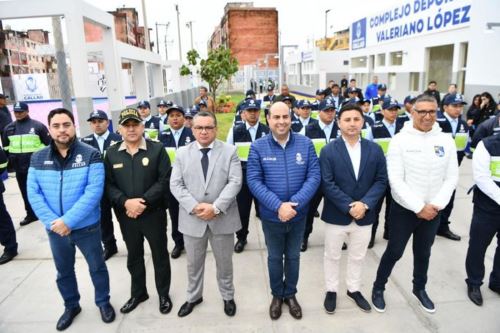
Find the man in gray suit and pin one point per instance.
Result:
(206, 177)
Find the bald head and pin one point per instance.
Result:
(278, 106)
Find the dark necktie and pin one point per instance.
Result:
(204, 161)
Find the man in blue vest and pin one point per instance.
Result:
(451, 122)
(101, 139)
(242, 137)
(174, 137)
(485, 222)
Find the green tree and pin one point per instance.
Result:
(217, 67)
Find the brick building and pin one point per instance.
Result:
(251, 33)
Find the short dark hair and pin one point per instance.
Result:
(424, 98)
(431, 82)
(204, 88)
(335, 85)
(352, 80)
(206, 114)
(60, 111)
(350, 107)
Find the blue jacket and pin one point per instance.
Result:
(340, 187)
(70, 189)
(276, 175)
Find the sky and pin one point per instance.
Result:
(299, 22)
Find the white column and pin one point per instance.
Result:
(112, 68)
(140, 76)
(157, 78)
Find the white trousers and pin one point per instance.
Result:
(357, 237)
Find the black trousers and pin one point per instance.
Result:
(485, 225)
(444, 221)
(313, 207)
(107, 228)
(405, 223)
(152, 226)
(7, 231)
(173, 210)
(22, 179)
(244, 200)
(387, 216)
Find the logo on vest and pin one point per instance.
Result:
(298, 159)
(439, 151)
(32, 131)
(152, 125)
(78, 162)
(188, 139)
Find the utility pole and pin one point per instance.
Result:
(190, 26)
(147, 44)
(326, 21)
(166, 25)
(179, 32)
(62, 68)
(157, 42)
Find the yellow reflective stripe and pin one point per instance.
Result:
(495, 168)
(314, 114)
(3, 165)
(383, 143)
(151, 133)
(461, 141)
(243, 150)
(6, 148)
(25, 143)
(364, 132)
(171, 154)
(318, 145)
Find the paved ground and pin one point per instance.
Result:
(29, 300)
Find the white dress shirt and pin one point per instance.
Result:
(100, 140)
(354, 155)
(453, 123)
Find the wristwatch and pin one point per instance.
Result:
(216, 210)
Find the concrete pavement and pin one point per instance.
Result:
(29, 299)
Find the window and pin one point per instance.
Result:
(358, 62)
(391, 79)
(414, 81)
(381, 59)
(396, 58)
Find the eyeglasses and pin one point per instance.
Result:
(423, 113)
(204, 128)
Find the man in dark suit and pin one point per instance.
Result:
(101, 139)
(175, 136)
(354, 178)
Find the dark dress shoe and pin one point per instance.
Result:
(303, 247)
(165, 304)
(188, 307)
(494, 289)
(176, 252)
(330, 303)
(424, 300)
(449, 234)
(240, 246)
(107, 313)
(378, 300)
(27, 220)
(475, 295)
(67, 318)
(294, 307)
(344, 246)
(316, 214)
(360, 301)
(275, 308)
(109, 252)
(372, 242)
(6, 257)
(133, 303)
(230, 307)
(386, 235)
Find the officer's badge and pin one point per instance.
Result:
(32, 131)
(145, 161)
(298, 159)
(152, 125)
(263, 135)
(439, 151)
(188, 139)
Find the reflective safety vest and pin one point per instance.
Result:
(492, 145)
(24, 143)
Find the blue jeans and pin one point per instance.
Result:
(283, 241)
(88, 240)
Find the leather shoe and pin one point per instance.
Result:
(378, 300)
(330, 302)
(165, 304)
(360, 301)
(107, 313)
(372, 242)
(133, 303)
(176, 252)
(240, 246)
(275, 308)
(6, 257)
(188, 307)
(303, 247)
(230, 307)
(27, 220)
(474, 294)
(494, 289)
(294, 307)
(424, 300)
(109, 252)
(449, 234)
(316, 214)
(67, 318)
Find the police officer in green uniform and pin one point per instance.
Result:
(242, 137)
(137, 180)
(21, 139)
(174, 136)
(451, 122)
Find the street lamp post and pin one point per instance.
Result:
(190, 26)
(179, 32)
(326, 22)
(166, 25)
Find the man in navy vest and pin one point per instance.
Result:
(321, 132)
(485, 222)
(242, 137)
(162, 113)
(176, 135)
(353, 178)
(451, 122)
(101, 139)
